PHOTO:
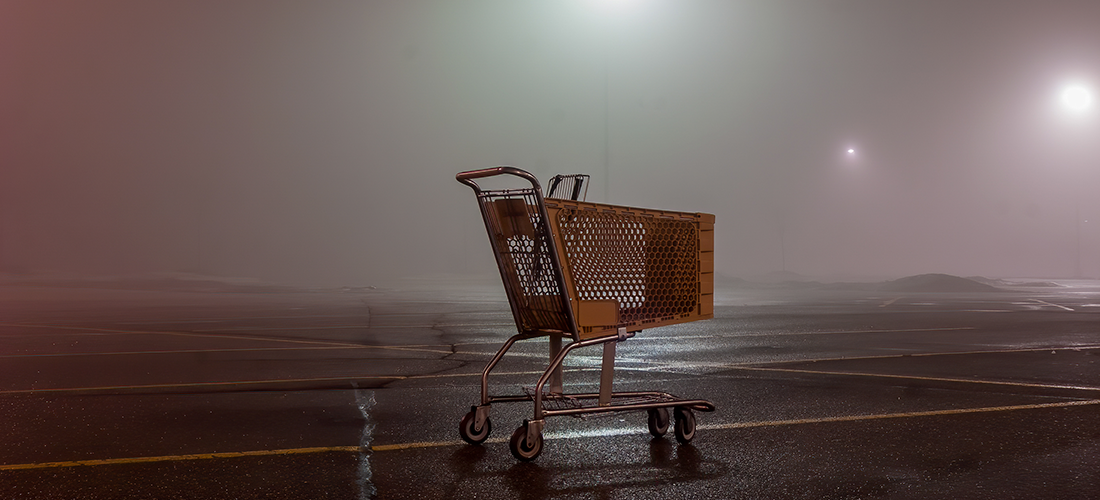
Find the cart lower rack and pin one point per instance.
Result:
(597, 274)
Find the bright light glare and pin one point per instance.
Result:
(851, 151)
(1076, 97)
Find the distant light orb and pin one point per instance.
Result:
(851, 151)
(1076, 97)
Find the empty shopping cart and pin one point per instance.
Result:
(597, 274)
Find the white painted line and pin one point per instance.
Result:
(1052, 305)
(914, 355)
(929, 379)
(787, 334)
(230, 383)
(931, 413)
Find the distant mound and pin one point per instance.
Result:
(775, 277)
(1006, 283)
(722, 279)
(936, 283)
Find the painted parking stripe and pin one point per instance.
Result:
(230, 383)
(1045, 303)
(181, 334)
(327, 343)
(789, 334)
(209, 351)
(913, 414)
(652, 366)
(180, 458)
(199, 384)
(919, 355)
(427, 348)
(554, 436)
(917, 377)
(766, 423)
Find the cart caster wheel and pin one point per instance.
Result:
(471, 435)
(523, 450)
(658, 421)
(685, 425)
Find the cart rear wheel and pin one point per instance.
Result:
(469, 433)
(658, 421)
(523, 450)
(685, 425)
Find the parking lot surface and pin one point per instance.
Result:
(252, 392)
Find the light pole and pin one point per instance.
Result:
(610, 9)
(1077, 99)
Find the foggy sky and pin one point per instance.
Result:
(316, 142)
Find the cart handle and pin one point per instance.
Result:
(468, 177)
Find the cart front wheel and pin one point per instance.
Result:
(469, 433)
(685, 425)
(658, 421)
(523, 450)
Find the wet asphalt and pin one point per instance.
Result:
(222, 392)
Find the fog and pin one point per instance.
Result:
(316, 142)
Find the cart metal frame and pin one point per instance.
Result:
(545, 302)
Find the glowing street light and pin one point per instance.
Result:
(1076, 98)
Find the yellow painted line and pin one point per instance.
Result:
(201, 384)
(178, 351)
(441, 444)
(766, 423)
(237, 337)
(913, 414)
(353, 327)
(239, 349)
(240, 318)
(180, 334)
(178, 458)
(916, 377)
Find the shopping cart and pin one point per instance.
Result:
(598, 274)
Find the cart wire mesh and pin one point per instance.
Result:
(649, 265)
(523, 246)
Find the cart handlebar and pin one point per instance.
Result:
(468, 177)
